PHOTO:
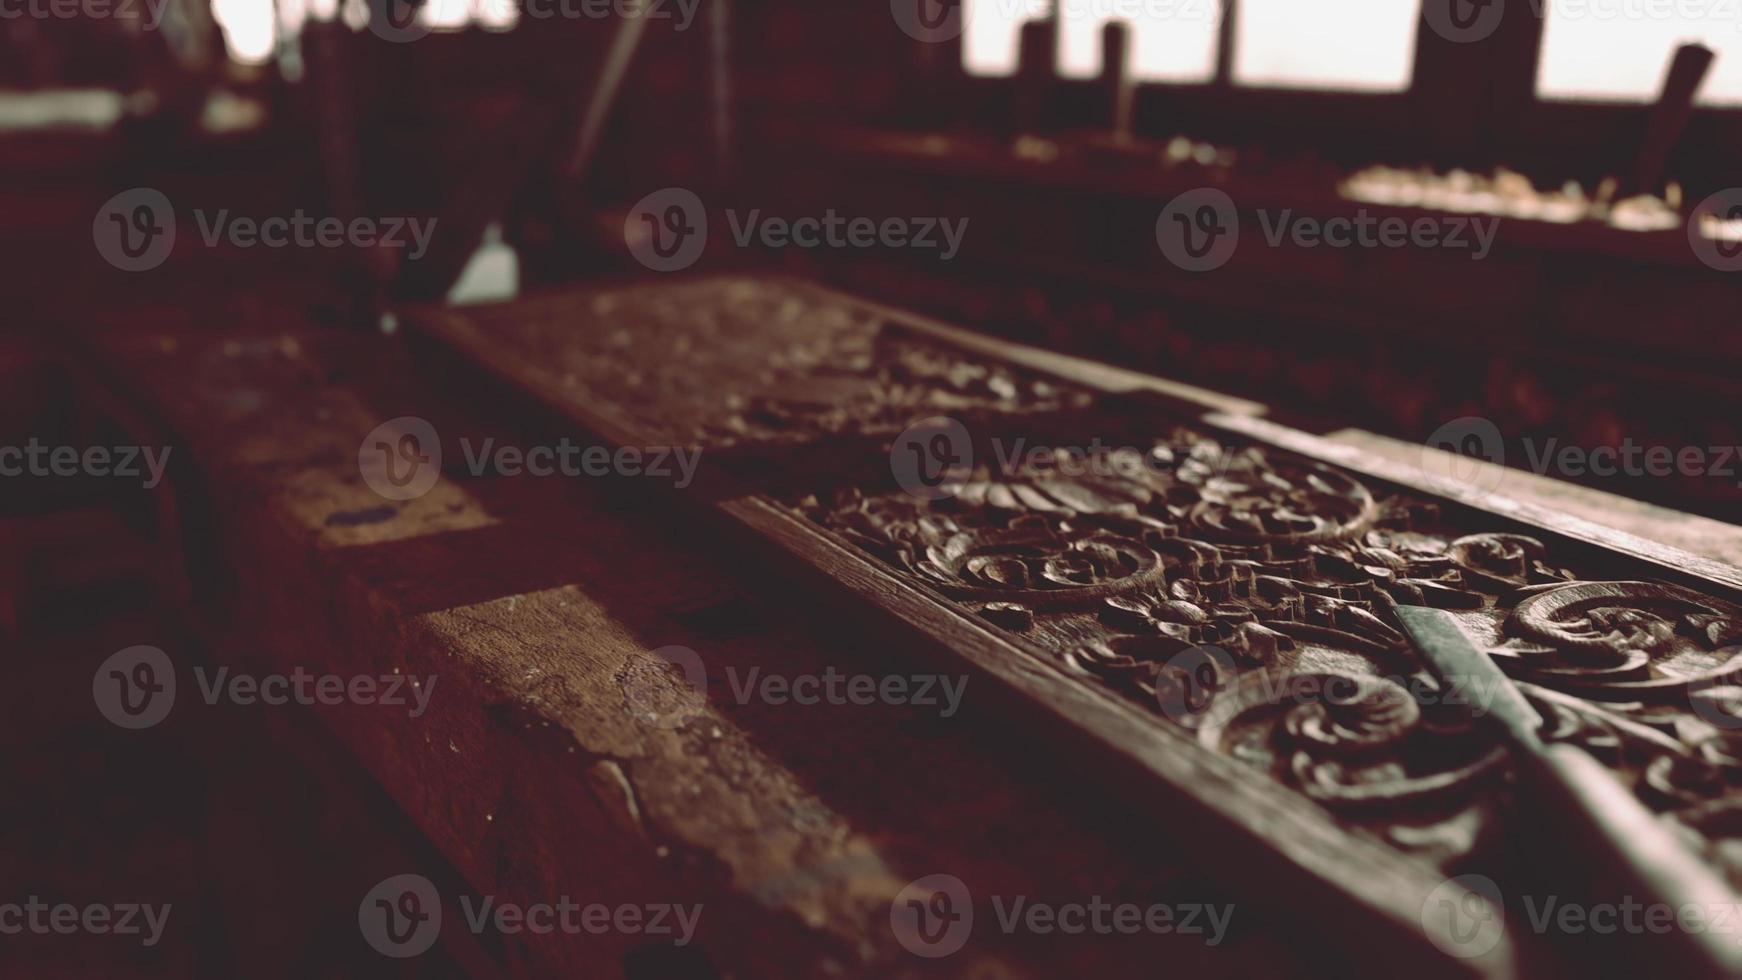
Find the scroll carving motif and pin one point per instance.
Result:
(1278, 563)
(1277, 566)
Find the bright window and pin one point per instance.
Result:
(1619, 50)
(989, 38)
(1346, 44)
(1171, 40)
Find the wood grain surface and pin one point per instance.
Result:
(529, 600)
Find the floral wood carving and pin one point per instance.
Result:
(1280, 564)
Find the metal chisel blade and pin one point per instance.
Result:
(1458, 664)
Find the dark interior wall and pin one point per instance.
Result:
(1581, 333)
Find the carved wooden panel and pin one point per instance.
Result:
(1213, 611)
(722, 362)
(1236, 592)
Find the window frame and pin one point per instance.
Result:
(1471, 105)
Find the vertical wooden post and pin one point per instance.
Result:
(1036, 73)
(1117, 89)
(1669, 117)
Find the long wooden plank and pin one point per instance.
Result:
(1688, 532)
(1304, 860)
(529, 600)
(1671, 561)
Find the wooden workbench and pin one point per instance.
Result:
(528, 599)
(531, 599)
